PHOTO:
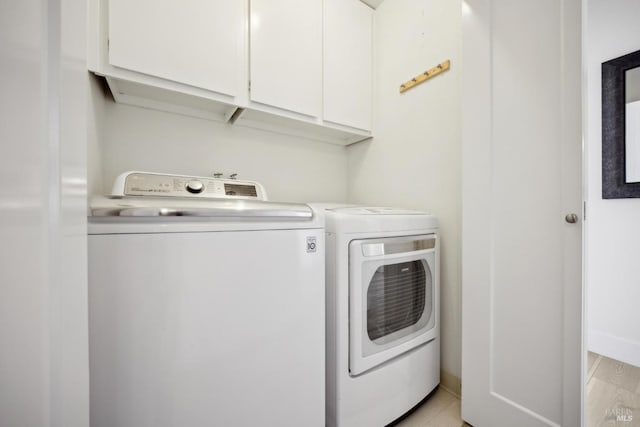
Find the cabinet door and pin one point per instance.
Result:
(195, 42)
(348, 63)
(286, 55)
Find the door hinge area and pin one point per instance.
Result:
(584, 210)
(249, 85)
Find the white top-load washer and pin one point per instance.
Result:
(383, 345)
(206, 306)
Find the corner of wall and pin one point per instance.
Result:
(97, 96)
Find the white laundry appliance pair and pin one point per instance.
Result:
(207, 306)
(383, 344)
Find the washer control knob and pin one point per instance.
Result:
(194, 186)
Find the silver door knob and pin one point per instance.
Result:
(571, 218)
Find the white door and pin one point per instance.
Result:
(521, 337)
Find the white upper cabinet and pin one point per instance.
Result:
(296, 67)
(286, 55)
(187, 57)
(348, 63)
(194, 42)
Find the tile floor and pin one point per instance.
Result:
(442, 409)
(613, 393)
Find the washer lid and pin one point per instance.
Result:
(144, 206)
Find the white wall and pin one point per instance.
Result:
(290, 168)
(613, 227)
(632, 141)
(23, 304)
(414, 159)
(43, 283)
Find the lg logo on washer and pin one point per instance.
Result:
(312, 246)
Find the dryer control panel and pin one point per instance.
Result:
(167, 185)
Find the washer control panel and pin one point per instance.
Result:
(156, 184)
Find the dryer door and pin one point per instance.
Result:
(393, 298)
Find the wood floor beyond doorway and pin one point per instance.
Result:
(613, 393)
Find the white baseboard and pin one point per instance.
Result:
(613, 347)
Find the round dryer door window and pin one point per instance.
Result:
(392, 298)
(399, 300)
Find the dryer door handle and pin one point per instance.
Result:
(388, 248)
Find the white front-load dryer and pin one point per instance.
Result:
(383, 345)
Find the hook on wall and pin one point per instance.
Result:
(443, 66)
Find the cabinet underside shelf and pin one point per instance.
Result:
(156, 98)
